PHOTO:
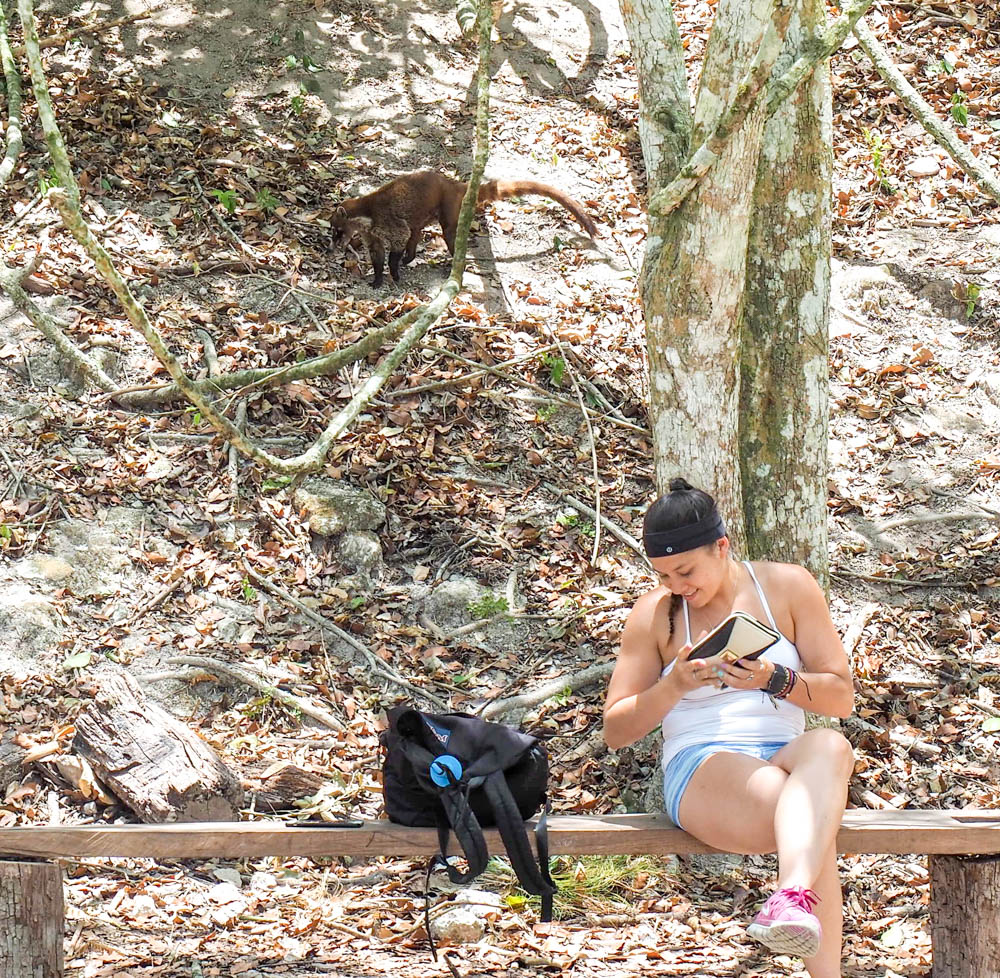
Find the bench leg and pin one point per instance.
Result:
(965, 916)
(31, 920)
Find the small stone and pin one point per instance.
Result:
(227, 875)
(225, 893)
(462, 925)
(923, 166)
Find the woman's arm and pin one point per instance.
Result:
(638, 697)
(824, 684)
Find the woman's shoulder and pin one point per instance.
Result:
(652, 605)
(777, 577)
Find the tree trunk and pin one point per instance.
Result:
(160, 768)
(965, 916)
(694, 272)
(784, 392)
(31, 920)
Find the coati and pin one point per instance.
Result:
(392, 218)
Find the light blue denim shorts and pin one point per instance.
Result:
(681, 767)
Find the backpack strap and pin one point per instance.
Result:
(533, 873)
(460, 818)
(542, 845)
(463, 822)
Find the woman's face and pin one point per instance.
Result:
(695, 574)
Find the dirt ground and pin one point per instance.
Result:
(313, 101)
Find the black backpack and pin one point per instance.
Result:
(459, 773)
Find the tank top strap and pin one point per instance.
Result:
(687, 620)
(760, 594)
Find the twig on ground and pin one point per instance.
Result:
(464, 378)
(585, 677)
(986, 179)
(226, 229)
(899, 581)
(261, 683)
(547, 395)
(613, 528)
(157, 599)
(593, 443)
(57, 40)
(853, 634)
(371, 660)
(937, 518)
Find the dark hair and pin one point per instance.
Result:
(680, 506)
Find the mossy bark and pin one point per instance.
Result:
(784, 366)
(694, 269)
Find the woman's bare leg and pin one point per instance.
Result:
(830, 910)
(811, 804)
(729, 783)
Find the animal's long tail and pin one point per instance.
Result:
(490, 190)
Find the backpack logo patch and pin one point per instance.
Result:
(442, 733)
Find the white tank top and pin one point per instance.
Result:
(742, 716)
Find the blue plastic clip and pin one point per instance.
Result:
(446, 770)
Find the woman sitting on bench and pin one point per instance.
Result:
(740, 772)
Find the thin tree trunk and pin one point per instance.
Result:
(693, 279)
(784, 385)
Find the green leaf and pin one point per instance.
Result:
(991, 724)
(515, 901)
(79, 661)
(893, 937)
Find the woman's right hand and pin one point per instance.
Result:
(689, 674)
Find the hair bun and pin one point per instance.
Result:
(680, 485)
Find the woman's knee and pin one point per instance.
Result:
(832, 746)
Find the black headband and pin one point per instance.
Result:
(687, 537)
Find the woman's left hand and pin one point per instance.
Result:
(748, 674)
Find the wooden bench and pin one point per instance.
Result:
(962, 846)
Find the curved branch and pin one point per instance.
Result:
(986, 179)
(14, 141)
(835, 35)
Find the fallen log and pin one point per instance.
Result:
(154, 763)
(11, 762)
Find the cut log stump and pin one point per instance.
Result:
(31, 920)
(965, 916)
(154, 763)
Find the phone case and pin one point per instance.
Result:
(740, 636)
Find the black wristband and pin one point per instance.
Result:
(777, 681)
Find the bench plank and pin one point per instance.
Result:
(862, 831)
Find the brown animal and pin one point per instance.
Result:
(392, 218)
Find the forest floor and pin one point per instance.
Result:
(279, 111)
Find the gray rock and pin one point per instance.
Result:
(361, 552)
(460, 925)
(91, 559)
(447, 605)
(332, 508)
(30, 626)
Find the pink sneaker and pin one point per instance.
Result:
(786, 923)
